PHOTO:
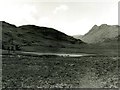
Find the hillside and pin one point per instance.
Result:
(35, 38)
(103, 39)
(101, 33)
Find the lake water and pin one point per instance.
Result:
(59, 54)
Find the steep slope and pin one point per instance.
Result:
(101, 33)
(35, 38)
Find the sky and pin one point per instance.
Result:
(73, 17)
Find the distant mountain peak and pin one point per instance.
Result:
(101, 33)
(95, 26)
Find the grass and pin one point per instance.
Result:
(22, 71)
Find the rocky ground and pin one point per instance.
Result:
(21, 71)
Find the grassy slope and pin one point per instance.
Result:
(108, 47)
(42, 39)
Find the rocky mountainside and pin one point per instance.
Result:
(101, 33)
(35, 38)
(103, 39)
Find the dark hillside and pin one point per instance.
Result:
(35, 38)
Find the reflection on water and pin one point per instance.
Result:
(59, 54)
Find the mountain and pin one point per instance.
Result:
(78, 36)
(101, 33)
(36, 38)
(103, 39)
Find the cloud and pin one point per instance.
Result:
(17, 13)
(60, 8)
(43, 20)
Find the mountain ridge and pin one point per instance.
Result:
(98, 34)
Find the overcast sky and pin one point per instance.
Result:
(72, 17)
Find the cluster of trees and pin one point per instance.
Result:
(11, 46)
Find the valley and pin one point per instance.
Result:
(42, 57)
